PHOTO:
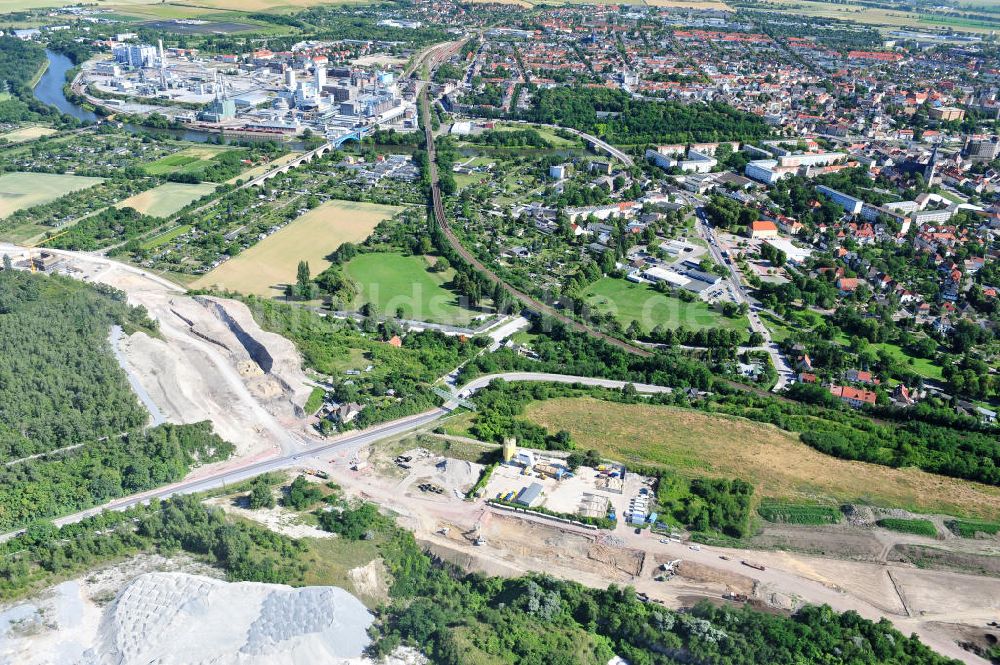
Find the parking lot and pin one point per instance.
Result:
(582, 493)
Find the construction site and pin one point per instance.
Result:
(211, 361)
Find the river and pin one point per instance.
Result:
(50, 87)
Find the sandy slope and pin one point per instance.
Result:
(210, 362)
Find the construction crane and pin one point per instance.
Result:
(36, 245)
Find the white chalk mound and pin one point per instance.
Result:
(181, 619)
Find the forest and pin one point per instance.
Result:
(59, 382)
(640, 121)
(64, 397)
(20, 61)
(98, 472)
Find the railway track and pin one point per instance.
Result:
(530, 302)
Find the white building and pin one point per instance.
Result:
(850, 204)
(135, 55)
(695, 162)
(770, 171)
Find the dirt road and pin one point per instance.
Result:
(934, 604)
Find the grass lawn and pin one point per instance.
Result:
(29, 133)
(188, 160)
(779, 331)
(330, 560)
(24, 190)
(166, 236)
(463, 180)
(168, 198)
(545, 132)
(391, 281)
(640, 302)
(921, 366)
(265, 268)
(779, 465)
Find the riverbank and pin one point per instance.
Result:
(39, 74)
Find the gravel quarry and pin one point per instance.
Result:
(182, 619)
(209, 361)
(186, 618)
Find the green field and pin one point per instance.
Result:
(921, 366)
(916, 527)
(781, 467)
(546, 133)
(24, 190)
(166, 236)
(168, 198)
(190, 160)
(640, 302)
(798, 513)
(970, 528)
(390, 281)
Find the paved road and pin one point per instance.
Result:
(778, 359)
(483, 381)
(350, 441)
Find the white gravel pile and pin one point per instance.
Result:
(181, 619)
(458, 473)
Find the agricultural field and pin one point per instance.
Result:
(780, 466)
(639, 302)
(391, 281)
(7, 6)
(877, 16)
(266, 267)
(271, 5)
(166, 199)
(24, 190)
(29, 133)
(189, 160)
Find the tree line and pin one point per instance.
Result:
(634, 121)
